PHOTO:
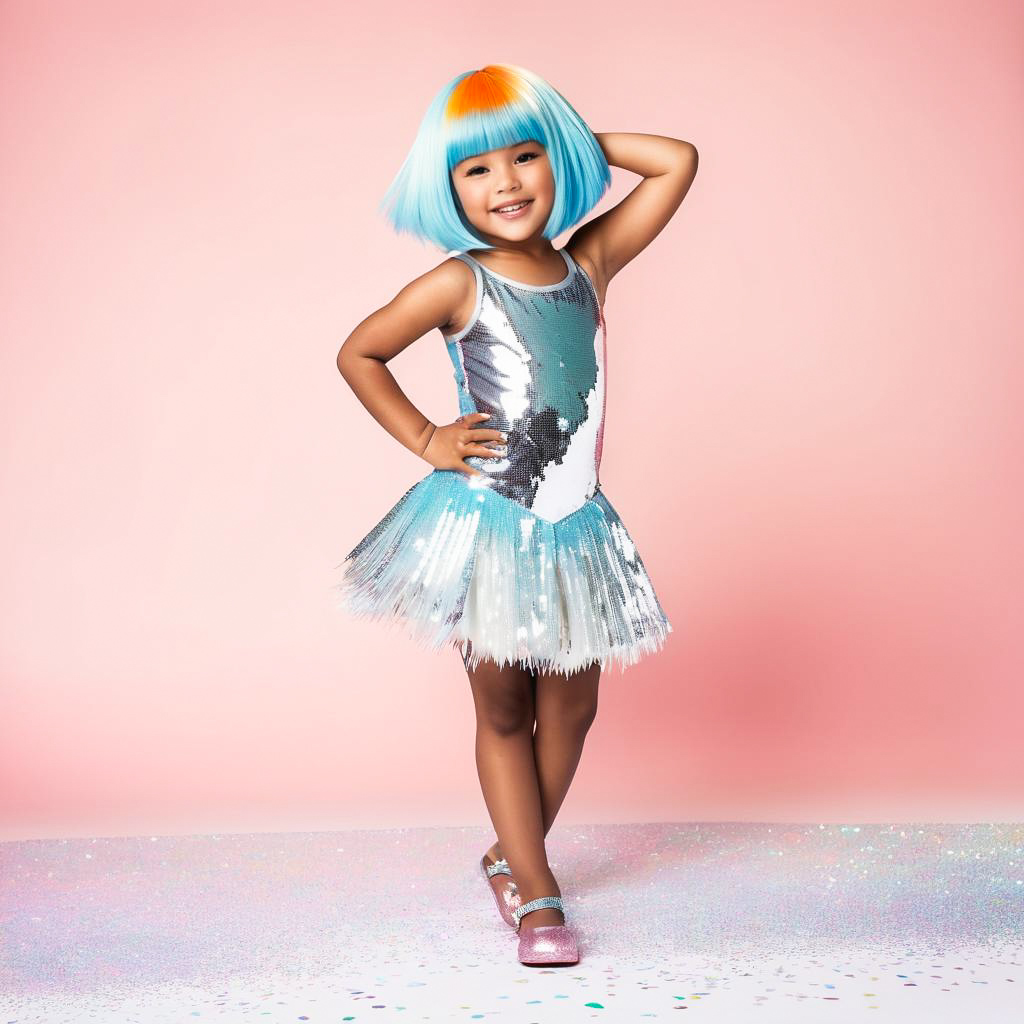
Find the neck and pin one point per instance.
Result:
(528, 251)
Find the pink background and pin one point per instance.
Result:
(814, 414)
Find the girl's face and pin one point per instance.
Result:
(506, 177)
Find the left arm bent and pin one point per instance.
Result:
(668, 167)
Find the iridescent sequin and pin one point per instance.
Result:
(533, 357)
(528, 563)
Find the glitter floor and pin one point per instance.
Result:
(728, 922)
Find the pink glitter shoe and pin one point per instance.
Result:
(508, 899)
(547, 943)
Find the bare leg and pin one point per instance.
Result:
(565, 708)
(504, 701)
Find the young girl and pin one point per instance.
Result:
(508, 549)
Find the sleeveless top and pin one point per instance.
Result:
(533, 356)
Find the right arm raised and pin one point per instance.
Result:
(430, 301)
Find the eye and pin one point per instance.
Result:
(532, 154)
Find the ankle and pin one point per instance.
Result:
(534, 887)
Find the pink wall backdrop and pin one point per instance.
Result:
(814, 414)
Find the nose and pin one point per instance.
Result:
(509, 182)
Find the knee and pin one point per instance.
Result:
(579, 717)
(573, 717)
(506, 715)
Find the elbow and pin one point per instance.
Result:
(346, 358)
(359, 349)
(345, 362)
(351, 361)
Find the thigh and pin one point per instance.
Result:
(503, 696)
(571, 699)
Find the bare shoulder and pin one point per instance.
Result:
(445, 293)
(577, 249)
(437, 299)
(443, 296)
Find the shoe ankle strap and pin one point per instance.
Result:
(537, 904)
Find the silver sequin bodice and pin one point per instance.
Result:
(533, 356)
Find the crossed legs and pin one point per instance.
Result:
(525, 774)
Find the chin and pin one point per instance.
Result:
(517, 230)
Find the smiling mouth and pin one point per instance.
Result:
(513, 207)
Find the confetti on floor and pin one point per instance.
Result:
(710, 921)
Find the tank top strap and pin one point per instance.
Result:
(570, 267)
(478, 302)
(469, 261)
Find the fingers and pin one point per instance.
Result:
(484, 452)
(467, 441)
(486, 434)
(480, 433)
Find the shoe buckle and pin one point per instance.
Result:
(499, 867)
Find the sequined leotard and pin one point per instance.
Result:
(529, 563)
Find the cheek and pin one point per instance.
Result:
(472, 197)
(543, 183)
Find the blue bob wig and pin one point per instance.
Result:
(498, 105)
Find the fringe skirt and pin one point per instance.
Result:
(463, 566)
